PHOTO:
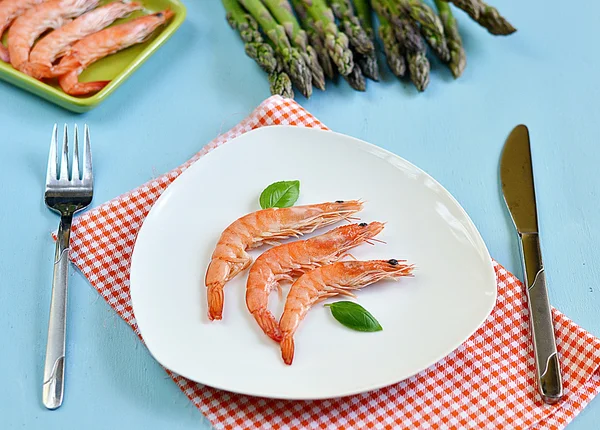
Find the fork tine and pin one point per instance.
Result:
(75, 166)
(64, 161)
(52, 160)
(87, 157)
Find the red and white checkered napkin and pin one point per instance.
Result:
(488, 382)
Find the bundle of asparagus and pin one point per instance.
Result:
(306, 41)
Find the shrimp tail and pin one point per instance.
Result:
(268, 324)
(287, 349)
(217, 275)
(215, 301)
(69, 81)
(85, 88)
(4, 56)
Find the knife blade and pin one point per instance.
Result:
(516, 174)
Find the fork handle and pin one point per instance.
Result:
(54, 367)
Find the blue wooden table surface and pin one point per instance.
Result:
(201, 84)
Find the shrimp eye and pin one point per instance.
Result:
(159, 15)
(339, 201)
(362, 224)
(393, 262)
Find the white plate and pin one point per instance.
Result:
(423, 318)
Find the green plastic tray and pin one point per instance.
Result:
(117, 68)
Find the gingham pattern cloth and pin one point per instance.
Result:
(488, 382)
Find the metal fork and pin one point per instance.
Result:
(66, 195)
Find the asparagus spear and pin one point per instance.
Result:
(368, 63)
(281, 84)
(357, 35)
(263, 54)
(336, 42)
(393, 50)
(282, 12)
(315, 39)
(293, 62)
(486, 15)
(365, 16)
(318, 75)
(356, 79)
(257, 49)
(405, 30)
(458, 57)
(247, 27)
(363, 48)
(407, 35)
(418, 64)
(430, 26)
(419, 67)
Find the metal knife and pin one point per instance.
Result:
(516, 174)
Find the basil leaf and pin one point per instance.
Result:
(354, 316)
(281, 194)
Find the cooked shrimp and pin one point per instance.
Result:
(328, 281)
(265, 226)
(99, 45)
(9, 10)
(29, 26)
(57, 43)
(284, 262)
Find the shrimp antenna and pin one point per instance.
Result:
(349, 219)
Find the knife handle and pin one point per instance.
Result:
(540, 315)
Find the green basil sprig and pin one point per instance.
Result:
(354, 316)
(281, 194)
